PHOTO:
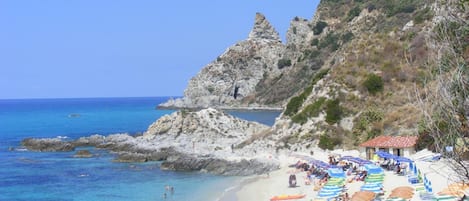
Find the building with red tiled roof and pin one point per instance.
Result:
(397, 145)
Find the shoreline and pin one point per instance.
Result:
(229, 194)
(247, 108)
(264, 187)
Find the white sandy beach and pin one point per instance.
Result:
(276, 183)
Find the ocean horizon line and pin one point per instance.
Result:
(90, 98)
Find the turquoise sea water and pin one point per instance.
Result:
(28, 175)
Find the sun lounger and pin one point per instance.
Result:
(446, 198)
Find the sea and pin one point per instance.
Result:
(58, 176)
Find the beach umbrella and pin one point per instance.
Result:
(403, 159)
(331, 187)
(395, 199)
(320, 164)
(373, 169)
(403, 188)
(427, 184)
(379, 184)
(336, 173)
(346, 157)
(446, 197)
(375, 189)
(328, 194)
(383, 154)
(363, 196)
(401, 194)
(455, 189)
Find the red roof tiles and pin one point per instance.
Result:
(391, 142)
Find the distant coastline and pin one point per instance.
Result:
(89, 98)
(240, 108)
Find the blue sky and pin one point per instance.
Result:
(113, 48)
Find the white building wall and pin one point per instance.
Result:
(408, 151)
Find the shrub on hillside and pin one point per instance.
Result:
(371, 7)
(331, 40)
(315, 42)
(311, 110)
(318, 76)
(423, 15)
(283, 63)
(347, 37)
(327, 142)
(354, 12)
(294, 105)
(393, 7)
(333, 111)
(425, 141)
(374, 84)
(319, 27)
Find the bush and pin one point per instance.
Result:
(315, 42)
(423, 15)
(347, 37)
(311, 54)
(327, 142)
(283, 63)
(318, 76)
(374, 84)
(331, 40)
(296, 102)
(393, 7)
(371, 7)
(373, 133)
(425, 141)
(293, 105)
(354, 12)
(311, 110)
(319, 27)
(333, 111)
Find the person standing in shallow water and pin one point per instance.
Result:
(232, 148)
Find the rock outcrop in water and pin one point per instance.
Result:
(207, 140)
(83, 154)
(47, 145)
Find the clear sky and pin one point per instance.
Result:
(116, 48)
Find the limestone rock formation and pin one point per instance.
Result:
(263, 30)
(207, 131)
(83, 154)
(207, 140)
(231, 80)
(48, 145)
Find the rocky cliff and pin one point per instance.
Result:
(231, 80)
(381, 58)
(207, 140)
(354, 71)
(358, 69)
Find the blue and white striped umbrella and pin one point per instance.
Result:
(427, 184)
(375, 189)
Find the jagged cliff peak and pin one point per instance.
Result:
(231, 79)
(263, 29)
